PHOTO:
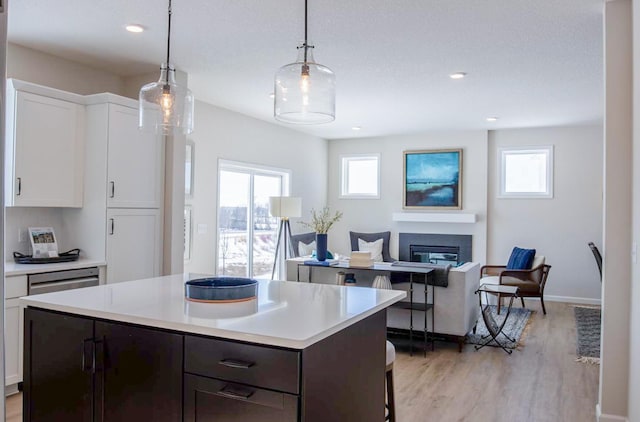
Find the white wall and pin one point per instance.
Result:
(634, 350)
(21, 218)
(373, 215)
(616, 292)
(222, 134)
(44, 69)
(560, 227)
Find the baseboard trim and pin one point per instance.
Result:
(570, 299)
(11, 389)
(601, 417)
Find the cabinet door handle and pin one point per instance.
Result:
(234, 392)
(97, 363)
(113, 225)
(99, 372)
(19, 181)
(238, 364)
(88, 352)
(113, 189)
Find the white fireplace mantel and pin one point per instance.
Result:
(434, 217)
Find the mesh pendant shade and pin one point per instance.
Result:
(165, 106)
(305, 91)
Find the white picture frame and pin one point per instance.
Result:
(189, 161)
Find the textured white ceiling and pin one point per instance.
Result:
(532, 63)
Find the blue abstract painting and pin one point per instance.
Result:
(432, 179)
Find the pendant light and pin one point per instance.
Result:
(305, 91)
(165, 106)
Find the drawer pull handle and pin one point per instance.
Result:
(239, 364)
(235, 393)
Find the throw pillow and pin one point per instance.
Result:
(305, 238)
(521, 259)
(374, 247)
(370, 237)
(305, 249)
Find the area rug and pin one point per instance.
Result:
(588, 334)
(518, 320)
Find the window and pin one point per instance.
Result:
(526, 172)
(247, 233)
(360, 176)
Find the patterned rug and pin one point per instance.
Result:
(514, 327)
(588, 322)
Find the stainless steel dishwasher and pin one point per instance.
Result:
(56, 281)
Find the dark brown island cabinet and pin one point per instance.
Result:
(78, 368)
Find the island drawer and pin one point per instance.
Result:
(266, 367)
(207, 399)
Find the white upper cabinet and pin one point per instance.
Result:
(134, 166)
(44, 147)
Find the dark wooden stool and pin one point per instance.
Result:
(390, 405)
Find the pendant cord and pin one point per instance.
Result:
(169, 41)
(306, 47)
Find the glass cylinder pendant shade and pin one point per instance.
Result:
(305, 91)
(165, 106)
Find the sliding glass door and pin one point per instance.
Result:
(247, 233)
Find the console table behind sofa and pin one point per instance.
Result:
(456, 309)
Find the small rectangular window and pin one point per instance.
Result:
(526, 172)
(360, 176)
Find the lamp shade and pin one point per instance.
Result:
(305, 91)
(285, 206)
(165, 106)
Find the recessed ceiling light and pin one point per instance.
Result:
(356, 128)
(135, 28)
(457, 75)
(492, 119)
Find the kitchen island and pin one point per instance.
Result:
(139, 351)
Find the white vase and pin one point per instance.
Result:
(381, 282)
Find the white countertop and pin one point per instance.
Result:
(286, 314)
(11, 268)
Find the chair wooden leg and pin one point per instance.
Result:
(390, 397)
(522, 299)
(544, 311)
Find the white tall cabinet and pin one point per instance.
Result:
(123, 190)
(133, 244)
(133, 167)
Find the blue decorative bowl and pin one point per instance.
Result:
(221, 289)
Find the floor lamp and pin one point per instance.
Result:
(284, 207)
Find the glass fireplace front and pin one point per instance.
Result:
(435, 254)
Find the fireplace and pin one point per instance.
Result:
(440, 249)
(435, 254)
(451, 249)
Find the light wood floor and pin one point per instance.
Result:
(14, 408)
(541, 382)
